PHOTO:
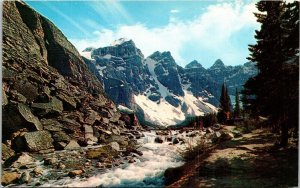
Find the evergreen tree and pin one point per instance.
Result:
(237, 110)
(225, 105)
(276, 53)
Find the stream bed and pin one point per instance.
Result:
(146, 171)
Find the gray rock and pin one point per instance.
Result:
(89, 133)
(115, 130)
(18, 117)
(75, 173)
(50, 161)
(158, 139)
(131, 160)
(4, 98)
(18, 96)
(51, 125)
(209, 130)
(175, 141)
(61, 166)
(72, 145)
(60, 136)
(38, 170)
(55, 106)
(92, 116)
(115, 146)
(38, 140)
(29, 117)
(7, 152)
(22, 160)
(227, 136)
(25, 177)
(68, 102)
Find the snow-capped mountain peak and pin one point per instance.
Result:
(120, 41)
(156, 88)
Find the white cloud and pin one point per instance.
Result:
(211, 32)
(174, 11)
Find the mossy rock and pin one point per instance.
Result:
(100, 152)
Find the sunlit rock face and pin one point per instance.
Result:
(160, 91)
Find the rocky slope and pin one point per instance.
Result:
(51, 101)
(161, 92)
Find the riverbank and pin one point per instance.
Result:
(247, 161)
(102, 165)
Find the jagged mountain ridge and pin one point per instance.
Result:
(157, 82)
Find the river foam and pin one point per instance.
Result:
(147, 171)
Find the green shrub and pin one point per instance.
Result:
(192, 151)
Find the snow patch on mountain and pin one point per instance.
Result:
(197, 106)
(119, 41)
(151, 66)
(87, 55)
(162, 113)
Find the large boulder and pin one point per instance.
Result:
(227, 136)
(72, 145)
(104, 151)
(19, 160)
(55, 106)
(7, 152)
(172, 174)
(115, 146)
(51, 125)
(68, 102)
(74, 173)
(91, 117)
(89, 134)
(60, 136)
(18, 96)
(17, 117)
(25, 177)
(9, 178)
(38, 140)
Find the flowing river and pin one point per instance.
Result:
(148, 169)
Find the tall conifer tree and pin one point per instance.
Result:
(237, 110)
(276, 54)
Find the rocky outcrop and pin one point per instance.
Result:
(50, 98)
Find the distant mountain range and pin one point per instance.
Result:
(160, 91)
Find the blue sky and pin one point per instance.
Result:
(201, 30)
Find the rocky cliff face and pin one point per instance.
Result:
(50, 98)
